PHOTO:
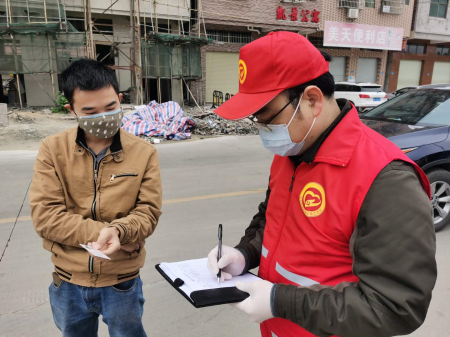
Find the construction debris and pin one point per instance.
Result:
(210, 124)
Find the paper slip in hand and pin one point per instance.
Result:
(95, 252)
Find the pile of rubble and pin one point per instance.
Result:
(153, 140)
(20, 128)
(210, 124)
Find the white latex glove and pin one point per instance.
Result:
(232, 263)
(257, 306)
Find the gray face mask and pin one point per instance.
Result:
(104, 125)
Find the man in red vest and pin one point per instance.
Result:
(345, 240)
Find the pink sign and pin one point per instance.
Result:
(340, 34)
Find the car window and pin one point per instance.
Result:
(421, 107)
(374, 88)
(344, 87)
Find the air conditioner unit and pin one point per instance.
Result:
(352, 13)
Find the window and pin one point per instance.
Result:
(78, 23)
(407, 2)
(371, 89)
(317, 41)
(347, 87)
(230, 37)
(416, 48)
(240, 37)
(438, 8)
(392, 6)
(442, 50)
(350, 3)
(416, 107)
(369, 3)
(104, 26)
(163, 28)
(402, 91)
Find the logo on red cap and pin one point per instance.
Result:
(242, 71)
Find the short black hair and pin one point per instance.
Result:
(324, 82)
(87, 75)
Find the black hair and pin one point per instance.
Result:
(87, 75)
(324, 82)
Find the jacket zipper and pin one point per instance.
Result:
(287, 209)
(113, 176)
(94, 215)
(292, 183)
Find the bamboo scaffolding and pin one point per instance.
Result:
(176, 13)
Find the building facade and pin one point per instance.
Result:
(237, 25)
(425, 58)
(36, 34)
(232, 24)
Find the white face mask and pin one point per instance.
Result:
(279, 140)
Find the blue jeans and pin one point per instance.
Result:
(76, 309)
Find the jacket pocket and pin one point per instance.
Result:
(122, 175)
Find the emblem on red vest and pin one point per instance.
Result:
(312, 200)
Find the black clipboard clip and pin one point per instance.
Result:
(178, 282)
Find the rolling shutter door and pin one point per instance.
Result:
(337, 68)
(441, 73)
(222, 73)
(367, 70)
(409, 73)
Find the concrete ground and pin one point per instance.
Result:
(205, 183)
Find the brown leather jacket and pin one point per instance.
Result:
(72, 201)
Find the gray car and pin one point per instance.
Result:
(400, 92)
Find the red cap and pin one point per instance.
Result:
(268, 66)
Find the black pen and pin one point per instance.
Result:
(219, 253)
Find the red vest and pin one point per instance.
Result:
(312, 211)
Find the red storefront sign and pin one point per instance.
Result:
(304, 15)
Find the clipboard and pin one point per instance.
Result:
(209, 297)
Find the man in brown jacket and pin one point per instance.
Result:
(96, 184)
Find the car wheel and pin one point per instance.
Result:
(440, 197)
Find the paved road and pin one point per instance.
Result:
(201, 180)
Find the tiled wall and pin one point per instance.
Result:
(258, 13)
(427, 59)
(352, 60)
(370, 16)
(199, 87)
(222, 14)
